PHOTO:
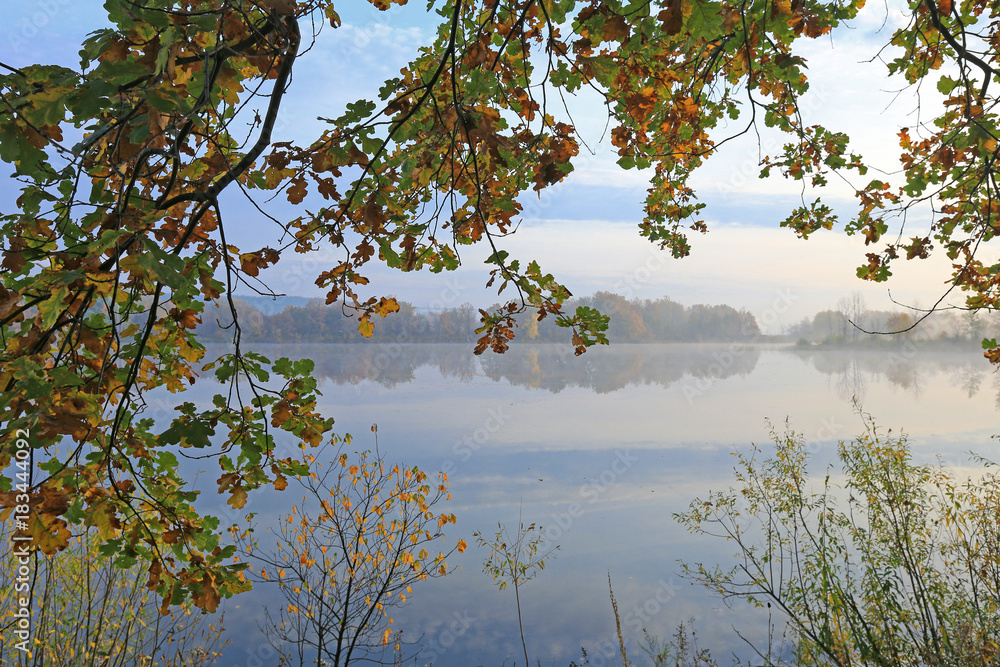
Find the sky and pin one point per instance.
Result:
(584, 230)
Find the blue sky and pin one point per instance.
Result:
(584, 231)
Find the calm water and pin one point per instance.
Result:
(601, 450)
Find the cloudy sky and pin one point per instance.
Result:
(584, 230)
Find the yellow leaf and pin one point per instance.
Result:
(386, 306)
(238, 498)
(50, 535)
(366, 327)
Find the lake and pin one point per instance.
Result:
(601, 450)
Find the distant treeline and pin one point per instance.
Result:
(631, 321)
(848, 324)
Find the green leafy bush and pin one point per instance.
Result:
(888, 563)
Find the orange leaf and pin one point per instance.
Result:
(297, 190)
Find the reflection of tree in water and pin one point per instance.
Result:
(550, 367)
(388, 365)
(847, 371)
(964, 370)
(905, 376)
(462, 367)
(851, 383)
(608, 369)
(968, 377)
(553, 367)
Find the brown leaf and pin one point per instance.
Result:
(207, 597)
(297, 190)
(672, 18)
(280, 7)
(616, 29)
(249, 262)
(157, 124)
(155, 570)
(13, 258)
(186, 318)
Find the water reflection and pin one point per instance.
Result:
(554, 368)
(549, 367)
(968, 377)
(908, 368)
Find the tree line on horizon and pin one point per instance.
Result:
(851, 323)
(630, 321)
(662, 320)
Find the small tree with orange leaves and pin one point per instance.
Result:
(361, 538)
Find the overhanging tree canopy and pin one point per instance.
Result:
(119, 238)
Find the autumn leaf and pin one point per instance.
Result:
(672, 17)
(187, 318)
(205, 594)
(237, 497)
(366, 327)
(249, 263)
(49, 534)
(280, 7)
(297, 190)
(333, 17)
(386, 306)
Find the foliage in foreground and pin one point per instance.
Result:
(350, 553)
(895, 564)
(88, 611)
